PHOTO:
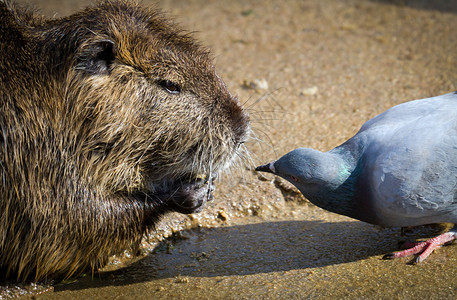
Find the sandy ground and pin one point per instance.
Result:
(311, 72)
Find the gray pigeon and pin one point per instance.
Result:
(399, 170)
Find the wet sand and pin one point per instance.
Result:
(311, 73)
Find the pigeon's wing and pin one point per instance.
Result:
(412, 111)
(411, 162)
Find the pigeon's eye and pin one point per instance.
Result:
(170, 87)
(294, 178)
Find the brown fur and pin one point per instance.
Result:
(95, 145)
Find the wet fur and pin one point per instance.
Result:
(94, 149)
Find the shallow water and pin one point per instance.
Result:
(328, 67)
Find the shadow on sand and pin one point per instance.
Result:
(439, 5)
(254, 248)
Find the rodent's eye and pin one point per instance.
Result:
(294, 178)
(170, 87)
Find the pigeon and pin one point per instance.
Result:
(398, 170)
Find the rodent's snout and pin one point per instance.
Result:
(192, 196)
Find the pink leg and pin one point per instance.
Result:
(425, 248)
(407, 244)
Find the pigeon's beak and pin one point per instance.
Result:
(270, 168)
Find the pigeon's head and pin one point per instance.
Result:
(308, 169)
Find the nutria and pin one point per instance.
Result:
(109, 118)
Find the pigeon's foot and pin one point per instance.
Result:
(424, 249)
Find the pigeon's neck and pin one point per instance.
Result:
(339, 194)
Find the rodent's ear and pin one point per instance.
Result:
(97, 57)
